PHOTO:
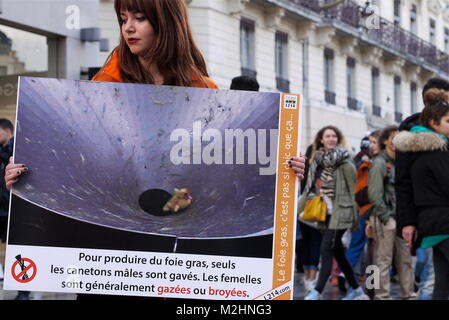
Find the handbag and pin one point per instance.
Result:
(315, 210)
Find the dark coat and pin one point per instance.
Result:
(429, 172)
(5, 153)
(406, 214)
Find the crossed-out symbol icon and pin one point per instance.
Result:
(21, 274)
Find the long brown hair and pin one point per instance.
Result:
(434, 113)
(174, 51)
(317, 144)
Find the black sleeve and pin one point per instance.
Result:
(406, 214)
(439, 168)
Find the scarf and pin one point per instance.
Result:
(425, 129)
(328, 161)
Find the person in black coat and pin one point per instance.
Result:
(427, 147)
(406, 212)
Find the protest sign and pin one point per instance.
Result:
(153, 191)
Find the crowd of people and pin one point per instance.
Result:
(385, 205)
(381, 207)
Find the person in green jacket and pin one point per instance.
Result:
(389, 246)
(332, 173)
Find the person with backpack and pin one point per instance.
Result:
(359, 238)
(389, 247)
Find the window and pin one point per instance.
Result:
(329, 95)
(397, 12)
(281, 46)
(247, 48)
(413, 20)
(397, 99)
(375, 95)
(350, 83)
(413, 97)
(305, 68)
(432, 31)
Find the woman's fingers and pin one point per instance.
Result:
(15, 169)
(14, 165)
(13, 172)
(298, 164)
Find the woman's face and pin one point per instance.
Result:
(443, 126)
(329, 140)
(137, 32)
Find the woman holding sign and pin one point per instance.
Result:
(332, 175)
(156, 47)
(150, 53)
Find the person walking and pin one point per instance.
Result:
(359, 239)
(332, 173)
(389, 247)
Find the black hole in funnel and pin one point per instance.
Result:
(152, 201)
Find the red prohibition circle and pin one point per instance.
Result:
(18, 276)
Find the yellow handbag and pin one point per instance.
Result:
(315, 210)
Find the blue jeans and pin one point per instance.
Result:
(358, 242)
(311, 241)
(424, 271)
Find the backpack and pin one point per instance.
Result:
(361, 187)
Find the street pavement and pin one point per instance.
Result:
(330, 292)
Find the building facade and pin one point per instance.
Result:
(46, 38)
(359, 65)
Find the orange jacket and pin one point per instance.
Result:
(111, 73)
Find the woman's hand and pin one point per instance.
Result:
(298, 164)
(409, 234)
(13, 173)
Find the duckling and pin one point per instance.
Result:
(180, 201)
